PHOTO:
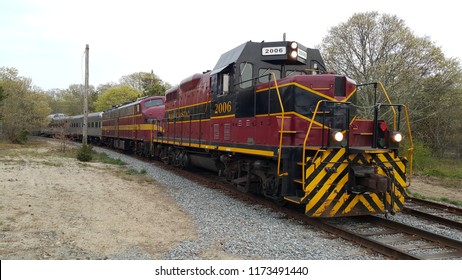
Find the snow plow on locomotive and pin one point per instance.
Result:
(272, 121)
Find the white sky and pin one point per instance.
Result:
(45, 39)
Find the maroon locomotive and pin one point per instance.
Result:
(132, 126)
(271, 120)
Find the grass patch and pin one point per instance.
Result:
(134, 175)
(428, 164)
(441, 168)
(132, 171)
(104, 158)
(15, 150)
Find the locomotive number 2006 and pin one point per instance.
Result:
(224, 107)
(273, 50)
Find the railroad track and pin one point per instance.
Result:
(392, 239)
(434, 212)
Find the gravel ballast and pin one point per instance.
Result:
(239, 229)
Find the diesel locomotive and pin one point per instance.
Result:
(273, 121)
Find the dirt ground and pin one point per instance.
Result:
(53, 207)
(431, 187)
(58, 208)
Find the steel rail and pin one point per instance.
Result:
(431, 217)
(447, 208)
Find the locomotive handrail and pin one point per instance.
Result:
(384, 91)
(304, 144)
(411, 144)
(389, 102)
(281, 131)
(395, 122)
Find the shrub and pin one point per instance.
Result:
(85, 153)
(20, 138)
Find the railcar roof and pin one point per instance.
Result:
(90, 115)
(133, 103)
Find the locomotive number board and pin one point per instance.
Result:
(273, 51)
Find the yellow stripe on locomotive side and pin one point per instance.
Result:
(219, 148)
(223, 117)
(188, 106)
(322, 95)
(131, 127)
(124, 117)
(188, 121)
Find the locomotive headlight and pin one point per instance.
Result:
(396, 136)
(338, 136)
(293, 45)
(293, 54)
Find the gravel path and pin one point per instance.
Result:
(231, 229)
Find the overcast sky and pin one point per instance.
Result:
(45, 39)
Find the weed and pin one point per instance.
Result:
(104, 158)
(132, 171)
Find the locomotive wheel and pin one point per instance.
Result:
(164, 157)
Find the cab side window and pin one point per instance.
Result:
(221, 83)
(245, 70)
(264, 74)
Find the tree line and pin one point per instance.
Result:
(367, 47)
(24, 107)
(380, 47)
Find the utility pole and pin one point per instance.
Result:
(85, 99)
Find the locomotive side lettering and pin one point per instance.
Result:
(223, 108)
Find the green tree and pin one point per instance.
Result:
(104, 87)
(70, 101)
(24, 108)
(115, 96)
(371, 47)
(147, 83)
(2, 97)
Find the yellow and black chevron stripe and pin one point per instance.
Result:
(326, 193)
